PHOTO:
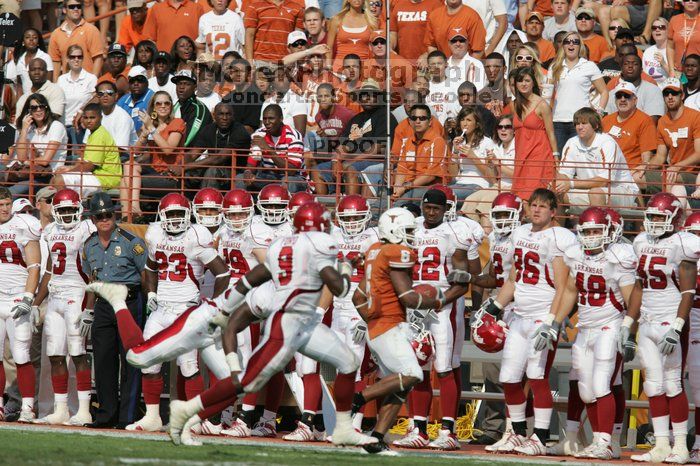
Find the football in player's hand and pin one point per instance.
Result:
(426, 290)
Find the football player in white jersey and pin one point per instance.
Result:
(441, 247)
(692, 225)
(536, 281)
(178, 253)
(206, 210)
(661, 301)
(64, 284)
(601, 279)
(20, 258)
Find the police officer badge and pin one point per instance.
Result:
(118, 251)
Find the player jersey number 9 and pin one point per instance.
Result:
(236, 262)
(526, 270)
(650, 272)
(428, 266)
(179, 273)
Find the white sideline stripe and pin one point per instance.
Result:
(219, 440)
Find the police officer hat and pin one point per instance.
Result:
(100, 203)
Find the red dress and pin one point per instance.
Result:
(534, 160)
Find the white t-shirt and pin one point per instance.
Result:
(21, 69)
(652, 66)
(573, 89)
(506, 155)
(468, 173)
(551, 27)
(292, 105)
(120, 126)
(56, 132)
(488, 10)
(77, 92)
(221, 33)
(210, 101)
(466, 69)
(441, 99)
(169, 87)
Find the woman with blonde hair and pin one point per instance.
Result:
(527, 55)
(161, 137)
(654, 60)
(573, 75)
(349, 32)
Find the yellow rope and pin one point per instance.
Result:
(434, 430)
(401, 426)
(464, 427)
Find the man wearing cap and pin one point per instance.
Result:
(534, 26)
(563, 20)
(161, 80)
(43, 198)
(650, 100)
(461, 66)
(678, 139)
(188, 107)
(39, 76)
(113, 255)
(444, 19)
(117, 68)
(402, 72)
(75, 30)
(220, 30)
(131, 28)
(139, 95)
(597, 45)
(634, 130)
(295, 107)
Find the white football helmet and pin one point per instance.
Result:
(397, 225)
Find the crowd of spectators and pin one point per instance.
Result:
(597, 101)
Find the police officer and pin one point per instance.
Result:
(113, 255)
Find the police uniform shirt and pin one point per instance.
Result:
(121, 262)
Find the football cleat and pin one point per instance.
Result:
(656, 455)
(413, 439)
(264, 429)
(532, 447)
(694, 457)
(60, 415)
(79, 420)
(596, 450)
(27, 416)
(238, 429)
(345, 433)
(445, 440)
(679, 454)
(564, 447)
(206, 427)
(302, 433)
(379, 448)
(510, 442)
(147, 424)
(495, 446)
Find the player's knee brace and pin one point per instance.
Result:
(189, 368)
(653, 388)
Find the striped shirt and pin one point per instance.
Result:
(289, 145)
(273, 24)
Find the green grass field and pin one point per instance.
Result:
(33, 447)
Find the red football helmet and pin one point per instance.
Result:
(174, 213)
(489, 335)
(312, 217)
(692, 223)
(236, 204)
(509, 204)
(297, 200)
(66, 208)
(593, 218)
(353, 214)
(272, 202)
(423, 344)
(666, 205)
(617, 224)
(451, 212)
(208, 198)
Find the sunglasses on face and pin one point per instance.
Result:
(523, 58)
(108, 92)
(134, 10)
(104, 216)
(658, 27)
(375, 4)
(623, 95)
(668, 92)
(458, 39)
(379, 42)
(690, 1)
(36, 108)
(614, 28)
(74, 7)
(504, 127)
(583, 18)
(75, 57)
(299, 43)
(571, 42)
(164, 103)
(418, 118)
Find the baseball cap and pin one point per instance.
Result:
(536, 14)
(379, 34)
(116, 48)
(626, 87)
(183, 74)
(671, 83)
(295, 36)
(18, 205)
(165, 56)
(138, 71)
(584, 10)
(457, 32)
(45, 193)
(134, 4)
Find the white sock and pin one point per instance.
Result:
(60, 398)
(28, 404)
(153, 411)
(660, 425)
(679, 441)
(247, 407)
(543, 417)
(572, 426)
(83, 406)
(357, 421)
(680, 429)
(662, 442)
(604, 437)
(84, 395)
(517, 412)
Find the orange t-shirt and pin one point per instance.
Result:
(162, 162)
(597, 48)
(546, 50)
(404, 132)
(685, 34)
(129, 34)
(166, 23)
(273, 24)
(425, 157)
(635, 135)
(402, 72)
(441, 25)
(410, 20)
(685, 129)
(385, 310)
(544, 7)
(86, 36)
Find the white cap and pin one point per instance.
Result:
(672, 83)
(295, 36)
(19, 204)
(137, 70)
(625, 86)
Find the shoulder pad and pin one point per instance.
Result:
(398, 255)
(201, 235)
(322, 242)
(573, 253)
(622, 254)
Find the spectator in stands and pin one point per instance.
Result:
(157, 171)
(183, 54)
(558, 43)
(315, 25)
(162, 79)
(466, 97)
(649, 98)
(620, 33)
(39, 77)
(195, 114)
(100, 167)
(276, 155)
(115, 120)
(691, 68)
(593, 170)
(409, 19)
(596, 44)
(76, 31)
(139, 95)
(441, 98)
(117, 69)
(131, 29)
(79, 87)
(633, 130)
(563, 19)
(267, 26)
(655, 58)
(205, 89)
(411, 97)
(144, 56)
(493, 15)
(534, 26)
(245, 96)
(638, 14)
(295, 107)
(612, 66)
(573, 75)
(461, 66)
(226, 144)
(448, 19)
(17, 70)
(350, 80)
(526, 56)
(471, 150)
(350, 31)
(401, 71)
(683, 37)
(40, 147)
(494, 95)
(220, 30)
(170, 19)
(230, 77)
(422, 158)
(678, 149)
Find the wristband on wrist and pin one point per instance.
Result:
(233, 362)
(627, 322)
(678, 324)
